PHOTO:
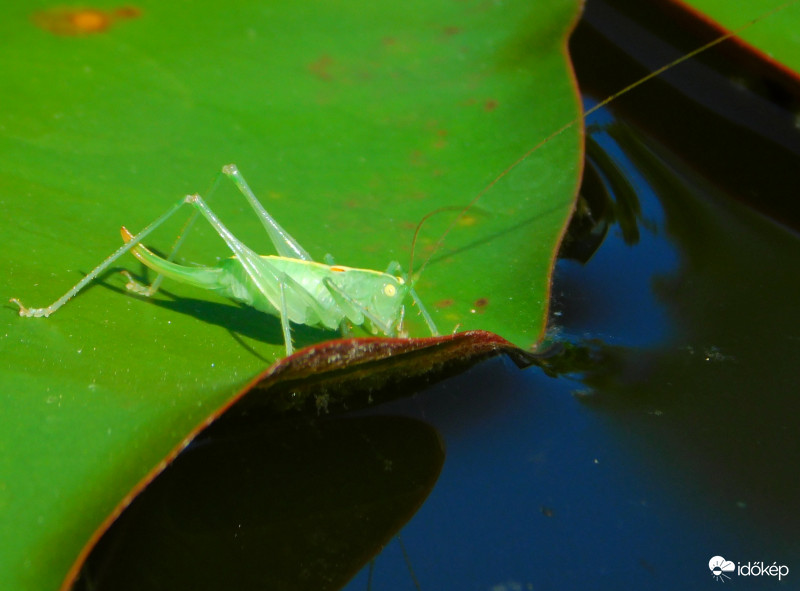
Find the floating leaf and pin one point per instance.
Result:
(351, 122)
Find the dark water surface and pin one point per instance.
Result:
(682, 442)
(679, 442)
(680, 445)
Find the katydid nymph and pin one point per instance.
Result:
(289, 285)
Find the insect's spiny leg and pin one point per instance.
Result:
(424, 312)
(92, 275)
(264, 276)
(348, 307)
(342, 297)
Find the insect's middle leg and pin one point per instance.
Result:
(343, 299)
(272, 283)
(250, 262)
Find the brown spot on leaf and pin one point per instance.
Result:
(479, 307)
(417, 158)
(127, 12)
(444, 303)
(490, 105)
(73, 22)
(450, 31)
(321, 67)
(441, 140)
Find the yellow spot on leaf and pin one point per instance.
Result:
(467, 220)
(70, 22)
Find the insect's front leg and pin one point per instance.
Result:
(394, 268)
(424, 312)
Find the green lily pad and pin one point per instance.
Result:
(350, 121)
(774, 33)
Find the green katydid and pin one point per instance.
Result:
(290, 285)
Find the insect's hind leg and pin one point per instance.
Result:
(39, 312)
(252, 264)
(148, 290)
(284, 243)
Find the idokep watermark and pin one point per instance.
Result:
(720, 569)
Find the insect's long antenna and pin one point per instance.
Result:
(574, 122)
(430, 214)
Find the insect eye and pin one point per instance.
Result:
(389, 289)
